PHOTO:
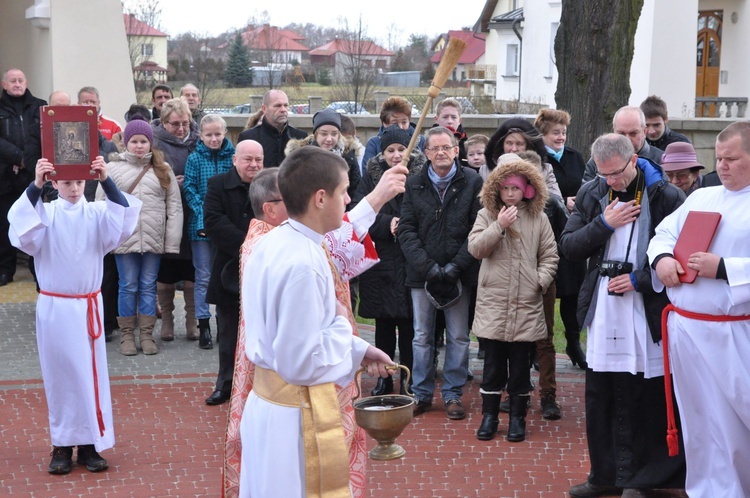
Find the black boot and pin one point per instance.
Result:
(204, 339)
(384, 386)
(574, 351)
(519, 405)
(490, 410)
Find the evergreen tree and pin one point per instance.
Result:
(238, 73)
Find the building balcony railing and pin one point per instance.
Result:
(717, 107)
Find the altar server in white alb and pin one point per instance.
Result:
(300, 340)
(68, 239)
(710, 348)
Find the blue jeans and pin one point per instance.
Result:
(202, 264)
(138, 272)
(456, 347)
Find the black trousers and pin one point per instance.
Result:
(626, 431)
(568, 310)
(7, 251)
(385, 338)
(507, 363)
(110, 289)
(227, 325)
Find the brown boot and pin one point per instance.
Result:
(165, 296)
(191, 324)
(146, 325)
(127, 335)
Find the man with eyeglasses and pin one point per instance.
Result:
(613, 219)
(629, 122)
(438, 211)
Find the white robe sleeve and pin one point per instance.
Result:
(304, 354)
(738, 273)
(663, 242)
(28, 225)
(351, 247)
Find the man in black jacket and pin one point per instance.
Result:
(273, 132)
(629, 122)
(658, 134)
(20, 148)
(439, 208)
(614, 217)
(226, 215)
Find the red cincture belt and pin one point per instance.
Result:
(94, 326)
(671, 426)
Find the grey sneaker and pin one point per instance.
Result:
(454, 409)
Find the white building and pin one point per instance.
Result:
(68, 44)
(668, 61)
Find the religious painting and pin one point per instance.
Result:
(70, 141)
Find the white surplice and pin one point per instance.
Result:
(68, 243)
(618, 338)
(710, 361)
(289, 308)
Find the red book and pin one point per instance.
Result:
(70, 141)
(696, 236)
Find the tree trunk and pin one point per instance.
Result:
(594, 50)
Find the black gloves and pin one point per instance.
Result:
(434, 274)
(451, 273)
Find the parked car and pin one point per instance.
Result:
(299, 109)
(348, 107)
(241, 109)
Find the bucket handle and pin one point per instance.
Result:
(388, 367)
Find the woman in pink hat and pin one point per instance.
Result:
(681, 165)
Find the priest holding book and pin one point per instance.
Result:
(708, 328)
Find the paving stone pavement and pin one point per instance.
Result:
(169, 442)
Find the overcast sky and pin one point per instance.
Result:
(399, 17)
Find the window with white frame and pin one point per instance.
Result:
(511, 59)
(147, 49)
(553, 35)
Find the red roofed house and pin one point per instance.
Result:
(148, 51)
(340, 54)
(471, 66)
(271, 45)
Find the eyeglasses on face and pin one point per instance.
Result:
(615, 174)
(440, 148)
(681, 176)
(179, 124)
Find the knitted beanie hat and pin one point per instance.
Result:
(394, 135)
(522, 183)
(326, 117)
(138, 127)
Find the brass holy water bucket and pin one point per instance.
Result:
(384, 418)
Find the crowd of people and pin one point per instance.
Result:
(464, 234)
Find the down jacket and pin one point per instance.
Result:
(202, 164)
(159, 228)
(433, 232)
(347, 148)
(518, 264)
(382, 288)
